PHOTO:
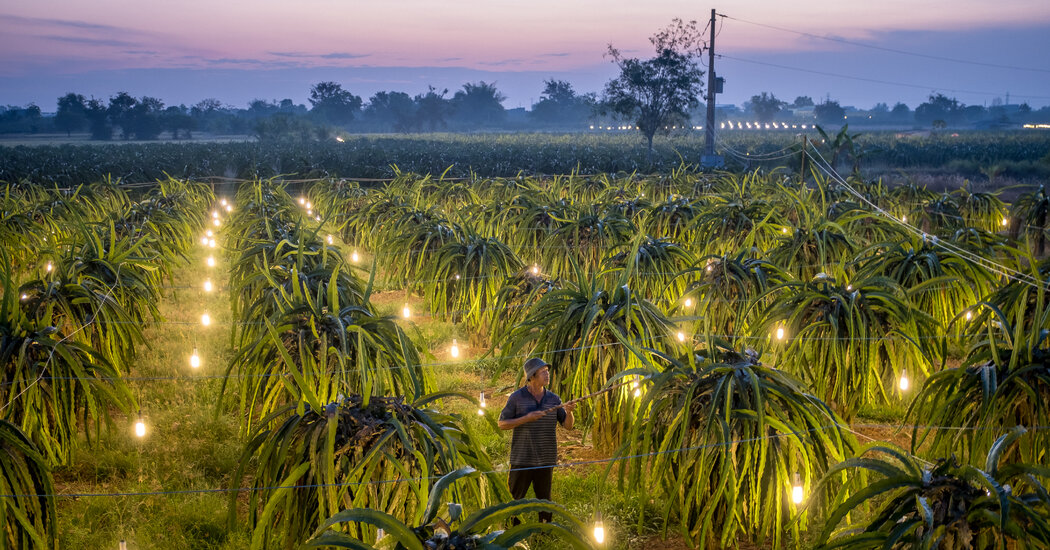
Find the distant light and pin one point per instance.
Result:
(354, 257)
(209, 233)
(204, 241)
(302, 201)
(535, 269)
(195, 360)
(330, 241)
(1006, 222)
(797, 493)
(406, 312)
(681, 336)
(49, 267)
(215, 214)
(309, 205)
(454, 350)
(206, 319)
(223, 202)
(211, 261)
(688, 302)
(969, 315)
(780, 333)
(216, 222)
(904, 219)
(211, 243)
(339, 139)
(904, 383)
(207, 285)
(140, 426)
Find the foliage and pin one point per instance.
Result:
(683, 449)
(941, 505)
(470, 532)
(27, 511)
(379, 453)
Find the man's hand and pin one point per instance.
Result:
(569, 407)
(534, 415)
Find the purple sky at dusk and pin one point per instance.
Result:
(236, 51)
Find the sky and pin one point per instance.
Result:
(857, 52)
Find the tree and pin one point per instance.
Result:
(658, 92)
(479, 104)
(431, 109)
(393, 110)
(119, 112)
(176, 119)
(765, 106)
(939, 108)
(900, 111)
(334, 104)
(559, 104)
(829, 112)
(145, 118)
(72, 113)
(98, 119)
(802, 101)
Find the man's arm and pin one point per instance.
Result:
(570, 419)
(515, 422)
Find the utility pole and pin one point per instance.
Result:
(714, 85)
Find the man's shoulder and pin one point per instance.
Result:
(551, 396)
(519, 393)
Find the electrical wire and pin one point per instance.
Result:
(891, 50)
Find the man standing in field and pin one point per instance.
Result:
(533, 412)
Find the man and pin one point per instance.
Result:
(532, 413)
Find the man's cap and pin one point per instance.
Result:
(533, 365)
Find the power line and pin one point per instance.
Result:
(892, 50)
(875, 80)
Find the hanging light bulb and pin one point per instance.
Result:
(380, 533)
(140, 426)
(318, 218)
(784, 230)
(216, 222)
(797, 492)
(454, 350)
(211, 261)
(25, 297)
(904, 219)
(481, 404)
(211, 243)
(969, 315)
(229, 208)
(681, 336)
(302, 201)
(309, 212)
(222, 202)
(780, 333)
(637, 388)
(1006, 222)
(599, 530)
(49, 267)
(688, 302)
(457, 276)
(329, 239)
(207, 285)
(904, 383)
(123, 545)
(195, 360)
(354, 257)
(215, 214)
(406, 312)
(204, 241)
(309, 205)
(849, 288)
(205, 319)
(535, 269)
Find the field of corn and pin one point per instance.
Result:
(814, 362)
(1018, 155)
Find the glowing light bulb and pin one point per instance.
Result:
(457, 276)
(49, 267)
(599, 531)
(904, 383)
(969, 315)
(454, 350)
(216, 222)
(318, 218)
(681, 336)
(204, 241)
(1006, 222)
(223, 202)
(140, 427)
(302, 201)
(780, 333)
(215, 214)
(380, 533)
(329, 239)
(849, 288)
(211, 243)
(209, 233)
(211, 261)
(904, 219)
(481, 404)
(229, 208)
(709, 268)
(638, 392)
(688, 302)
(207, 285)
(797, 493)
(406, 312)
(205, 319)
(309, 212)
(354, 257)
(195, 360)
(309, 205)
(535, 269)
(784, 230)
(24, 297)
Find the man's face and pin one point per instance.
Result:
(543, 375)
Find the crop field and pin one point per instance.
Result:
(776, 357)
(974, 155)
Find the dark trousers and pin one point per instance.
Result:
(538, 478)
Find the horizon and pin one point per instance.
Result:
(856, 55)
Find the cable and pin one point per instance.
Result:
(876, 81)
(892, 50)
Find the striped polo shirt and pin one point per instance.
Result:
(534, 443)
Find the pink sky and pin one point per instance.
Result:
(64, 37)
